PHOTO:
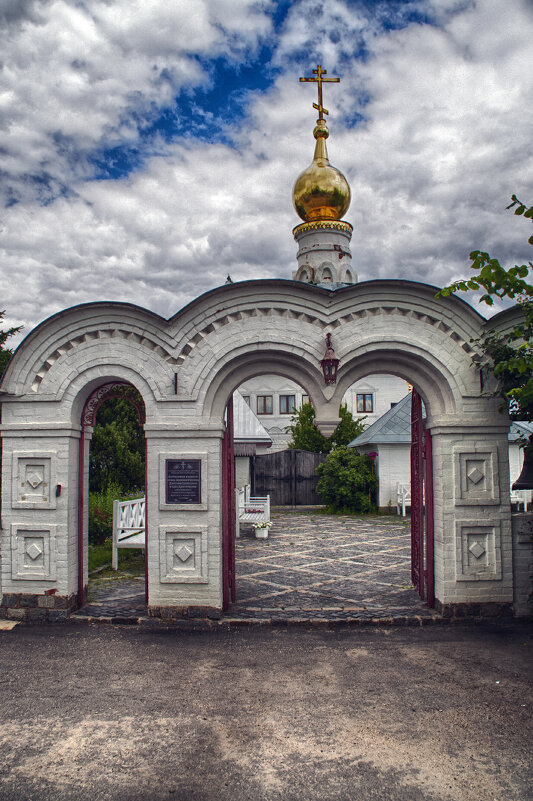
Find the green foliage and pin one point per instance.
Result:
(347, 482)
(307, 437)
(5, 353)
(348, 428)
(117, 455)
(101, 511)
(510, 355)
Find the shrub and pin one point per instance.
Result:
(347, 482)
(101, 510)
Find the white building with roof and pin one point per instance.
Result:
(390, 438)
(274, 399)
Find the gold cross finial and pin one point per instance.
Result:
(319, 72)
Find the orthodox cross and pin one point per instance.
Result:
(319, 72)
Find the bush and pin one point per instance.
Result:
(101, 511)
(347, 482)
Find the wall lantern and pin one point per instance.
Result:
(329, 363)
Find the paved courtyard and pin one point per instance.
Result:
(312, 566)
(318, 565)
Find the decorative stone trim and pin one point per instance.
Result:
(183, 555)
(34, 480)
(321, 225)
(100, 334)
(478, 551)
(476, 474)
(33, 552)
(313, 319)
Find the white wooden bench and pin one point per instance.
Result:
(520, 498)
(403, 497)
(129, 526)
(251, 510)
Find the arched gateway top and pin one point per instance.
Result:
(185, 369)
(231, 333)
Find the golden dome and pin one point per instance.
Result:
(321, 192)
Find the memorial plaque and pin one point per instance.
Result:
(183, 481)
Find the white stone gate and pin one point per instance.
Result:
(186, 369)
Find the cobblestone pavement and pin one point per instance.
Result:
(115, 594)
(322, 566)
(312, 567)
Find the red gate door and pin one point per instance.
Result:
(228, 511)
(422, 577)
(417, 493)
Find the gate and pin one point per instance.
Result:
(422, 561)
(228, 511)
(289, 477)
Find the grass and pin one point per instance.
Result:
(99, 555)
(129, 560)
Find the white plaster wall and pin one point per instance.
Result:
(242, 471)
(516, 461)
(385, 390)
(393, 466)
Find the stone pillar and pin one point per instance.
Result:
(523, 563)
(39, 520)
(184, 533)
(473, 542)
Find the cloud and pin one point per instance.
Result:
(431, 124)
(76, 77)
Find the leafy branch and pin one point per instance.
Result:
(511, 354)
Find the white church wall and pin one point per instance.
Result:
(380, 391)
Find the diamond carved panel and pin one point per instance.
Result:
(478, 551)
(33, 553)
(476, 474)
(33, 474)
(183, 554)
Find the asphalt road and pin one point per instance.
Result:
(439, 713)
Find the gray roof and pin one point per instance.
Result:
(520, 430)
(394, 427)
(247, 427)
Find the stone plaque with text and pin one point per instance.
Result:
(183, 481)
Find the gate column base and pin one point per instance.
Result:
(185, 612)
(472, 611)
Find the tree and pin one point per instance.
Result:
(307, 437)
(6, 353)
(347, 482)
(510, 355)
(117, 454)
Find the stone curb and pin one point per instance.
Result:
(225, 624)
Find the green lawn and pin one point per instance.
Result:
(130, 560)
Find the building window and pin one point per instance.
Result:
(287, 404)
(246, 399)
(305, 399)
(264, 404)
(364, 403)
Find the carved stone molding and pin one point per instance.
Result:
(478, 551)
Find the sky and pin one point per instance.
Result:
(148, 148)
